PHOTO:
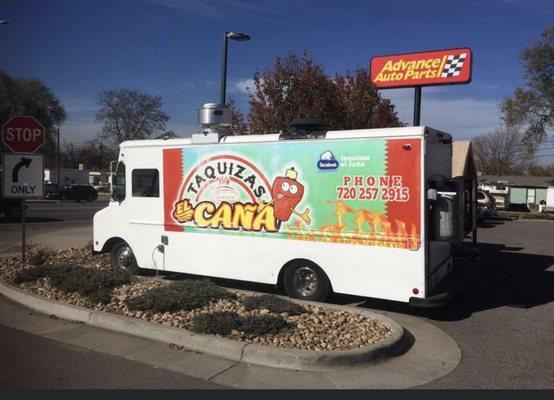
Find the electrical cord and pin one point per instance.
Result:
(153, 259)
(161, 249)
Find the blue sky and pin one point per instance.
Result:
(173, 47)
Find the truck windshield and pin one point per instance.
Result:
(118, 192)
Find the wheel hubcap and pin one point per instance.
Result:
(305, 281)
(125, 258)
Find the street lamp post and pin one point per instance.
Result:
(58, 159)
(226, 37)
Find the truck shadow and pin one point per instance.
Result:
(490, 223)
(501, 277)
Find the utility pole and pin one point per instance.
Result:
(101, 145)
(417, 106)
(58, 160)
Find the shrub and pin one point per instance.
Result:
(89, 280)
(40, 256)
(263, 324)
(35, 273)
(183, 295)
(219, 322)
(103, 296)
(96, 284)
(223, 322)
(272, 303)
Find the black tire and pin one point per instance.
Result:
(118, 261)
(63, 197)
(90, 199)
(304, 279)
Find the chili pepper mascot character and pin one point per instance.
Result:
(287, 193)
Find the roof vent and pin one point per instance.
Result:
(308, 124)
(305, 128)
(214, 121)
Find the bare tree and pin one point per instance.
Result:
(502, 152)
(130, 114)
(30, 96)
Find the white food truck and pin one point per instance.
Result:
(370, 212)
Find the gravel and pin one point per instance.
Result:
(319, 328)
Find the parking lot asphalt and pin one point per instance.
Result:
(34, 362)
(47, 217)
(503, 319)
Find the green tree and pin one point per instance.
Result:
(29, 96)
(531, 106)
(363, 106)
(297, 86)
(128, 114)
(238, 121)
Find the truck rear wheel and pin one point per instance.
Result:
(123, 259)
(304, 279)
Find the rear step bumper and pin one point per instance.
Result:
(442, 294)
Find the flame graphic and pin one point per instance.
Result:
(372, 229)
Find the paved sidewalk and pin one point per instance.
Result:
(432, 355)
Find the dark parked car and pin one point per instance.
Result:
(74, 192)
(11, 208)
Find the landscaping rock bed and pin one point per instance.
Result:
(211, 309)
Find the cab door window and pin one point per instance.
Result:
(145, 183)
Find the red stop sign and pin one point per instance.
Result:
(23, 134)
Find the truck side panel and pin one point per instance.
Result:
(351, 206)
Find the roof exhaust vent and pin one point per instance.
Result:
(305, 128)
(214, 121)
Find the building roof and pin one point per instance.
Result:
(463, 163)
(519, 180)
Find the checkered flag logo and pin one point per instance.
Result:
(453, 65)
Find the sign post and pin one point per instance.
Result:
(23, 238)
(429, 68)
(23, 171)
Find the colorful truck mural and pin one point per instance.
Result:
(363, 192)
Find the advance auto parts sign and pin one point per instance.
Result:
(442, 67)
(364, 192)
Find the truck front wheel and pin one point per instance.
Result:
(303, 279)
(123, 259)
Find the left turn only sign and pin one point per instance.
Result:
(22, 175)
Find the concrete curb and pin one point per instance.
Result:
(230, 349)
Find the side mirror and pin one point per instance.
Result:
(118, 196)
(113, 166)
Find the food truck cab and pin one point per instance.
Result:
(368, 212)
